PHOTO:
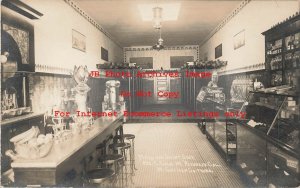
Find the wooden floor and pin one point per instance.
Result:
(177, 155)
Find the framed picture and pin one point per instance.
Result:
(179, 61)
(104, 54)
(78, 41)
(239, 40)
(144, 62)
(218, 51)
(205, 56)
(18, 39)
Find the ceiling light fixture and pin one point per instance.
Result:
(157, 17)
(171, 11)
(160, 43)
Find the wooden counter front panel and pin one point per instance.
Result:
(34, 176)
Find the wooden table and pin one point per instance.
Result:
(65, 159)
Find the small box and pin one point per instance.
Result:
(291, 103)
(261, 99)
(282, 114)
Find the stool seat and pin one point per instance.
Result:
(129, 136)
(125, 136)
(120, 146)
(99, 175)
(100, 146)
(110, 159)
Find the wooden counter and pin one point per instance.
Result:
(64, 158)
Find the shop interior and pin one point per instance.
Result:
(150, 93)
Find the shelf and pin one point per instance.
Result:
(214, 101)
(252, 129)
(16, 119)
(275, 70)
(291, 51)
(258, 169)
(287, 94)
(271, 140)
(290, 122)
(266, 105)
(284, 158)
(274, 55)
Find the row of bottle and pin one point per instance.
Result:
(276, 63)
(292, 41)
(292, 60)
(51, 69)
(274, 48)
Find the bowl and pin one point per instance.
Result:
(19, 111)
(26, 110)
(27, 151)
(11, 113)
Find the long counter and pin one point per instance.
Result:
(65, 157)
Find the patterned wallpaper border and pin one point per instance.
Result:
(226, 20)
(91, 20)
(255, 67)
(150, 48)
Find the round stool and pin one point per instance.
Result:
(123, 147)
(97, 176)
(113, 159)
(110, 159)
(131, 138)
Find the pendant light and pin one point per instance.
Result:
(159, 45)
(157, 19)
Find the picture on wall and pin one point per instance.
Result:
(78, 41)
(205, 56)
(218, 51)
(104, 54)
(179, 61)
(144, 62)
(239, 40)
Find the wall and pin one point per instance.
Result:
(45, 91)
(161, 58)
(53, 37)
(254, 18)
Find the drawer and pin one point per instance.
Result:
(162, 83)
(161, 88)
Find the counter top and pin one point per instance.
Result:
(64, 150)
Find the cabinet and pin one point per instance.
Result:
(282, 44)
(268, 140)
(13, 127)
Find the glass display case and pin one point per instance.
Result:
(221, 131)
(222, 134)
(268, 139)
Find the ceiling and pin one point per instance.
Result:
(121, 18)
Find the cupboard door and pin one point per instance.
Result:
(175, 86)
(148, 85)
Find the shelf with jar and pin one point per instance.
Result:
(274, 48)
(282, 44)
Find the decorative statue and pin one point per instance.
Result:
(81, 75)
(214, 80)
(212, 91)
